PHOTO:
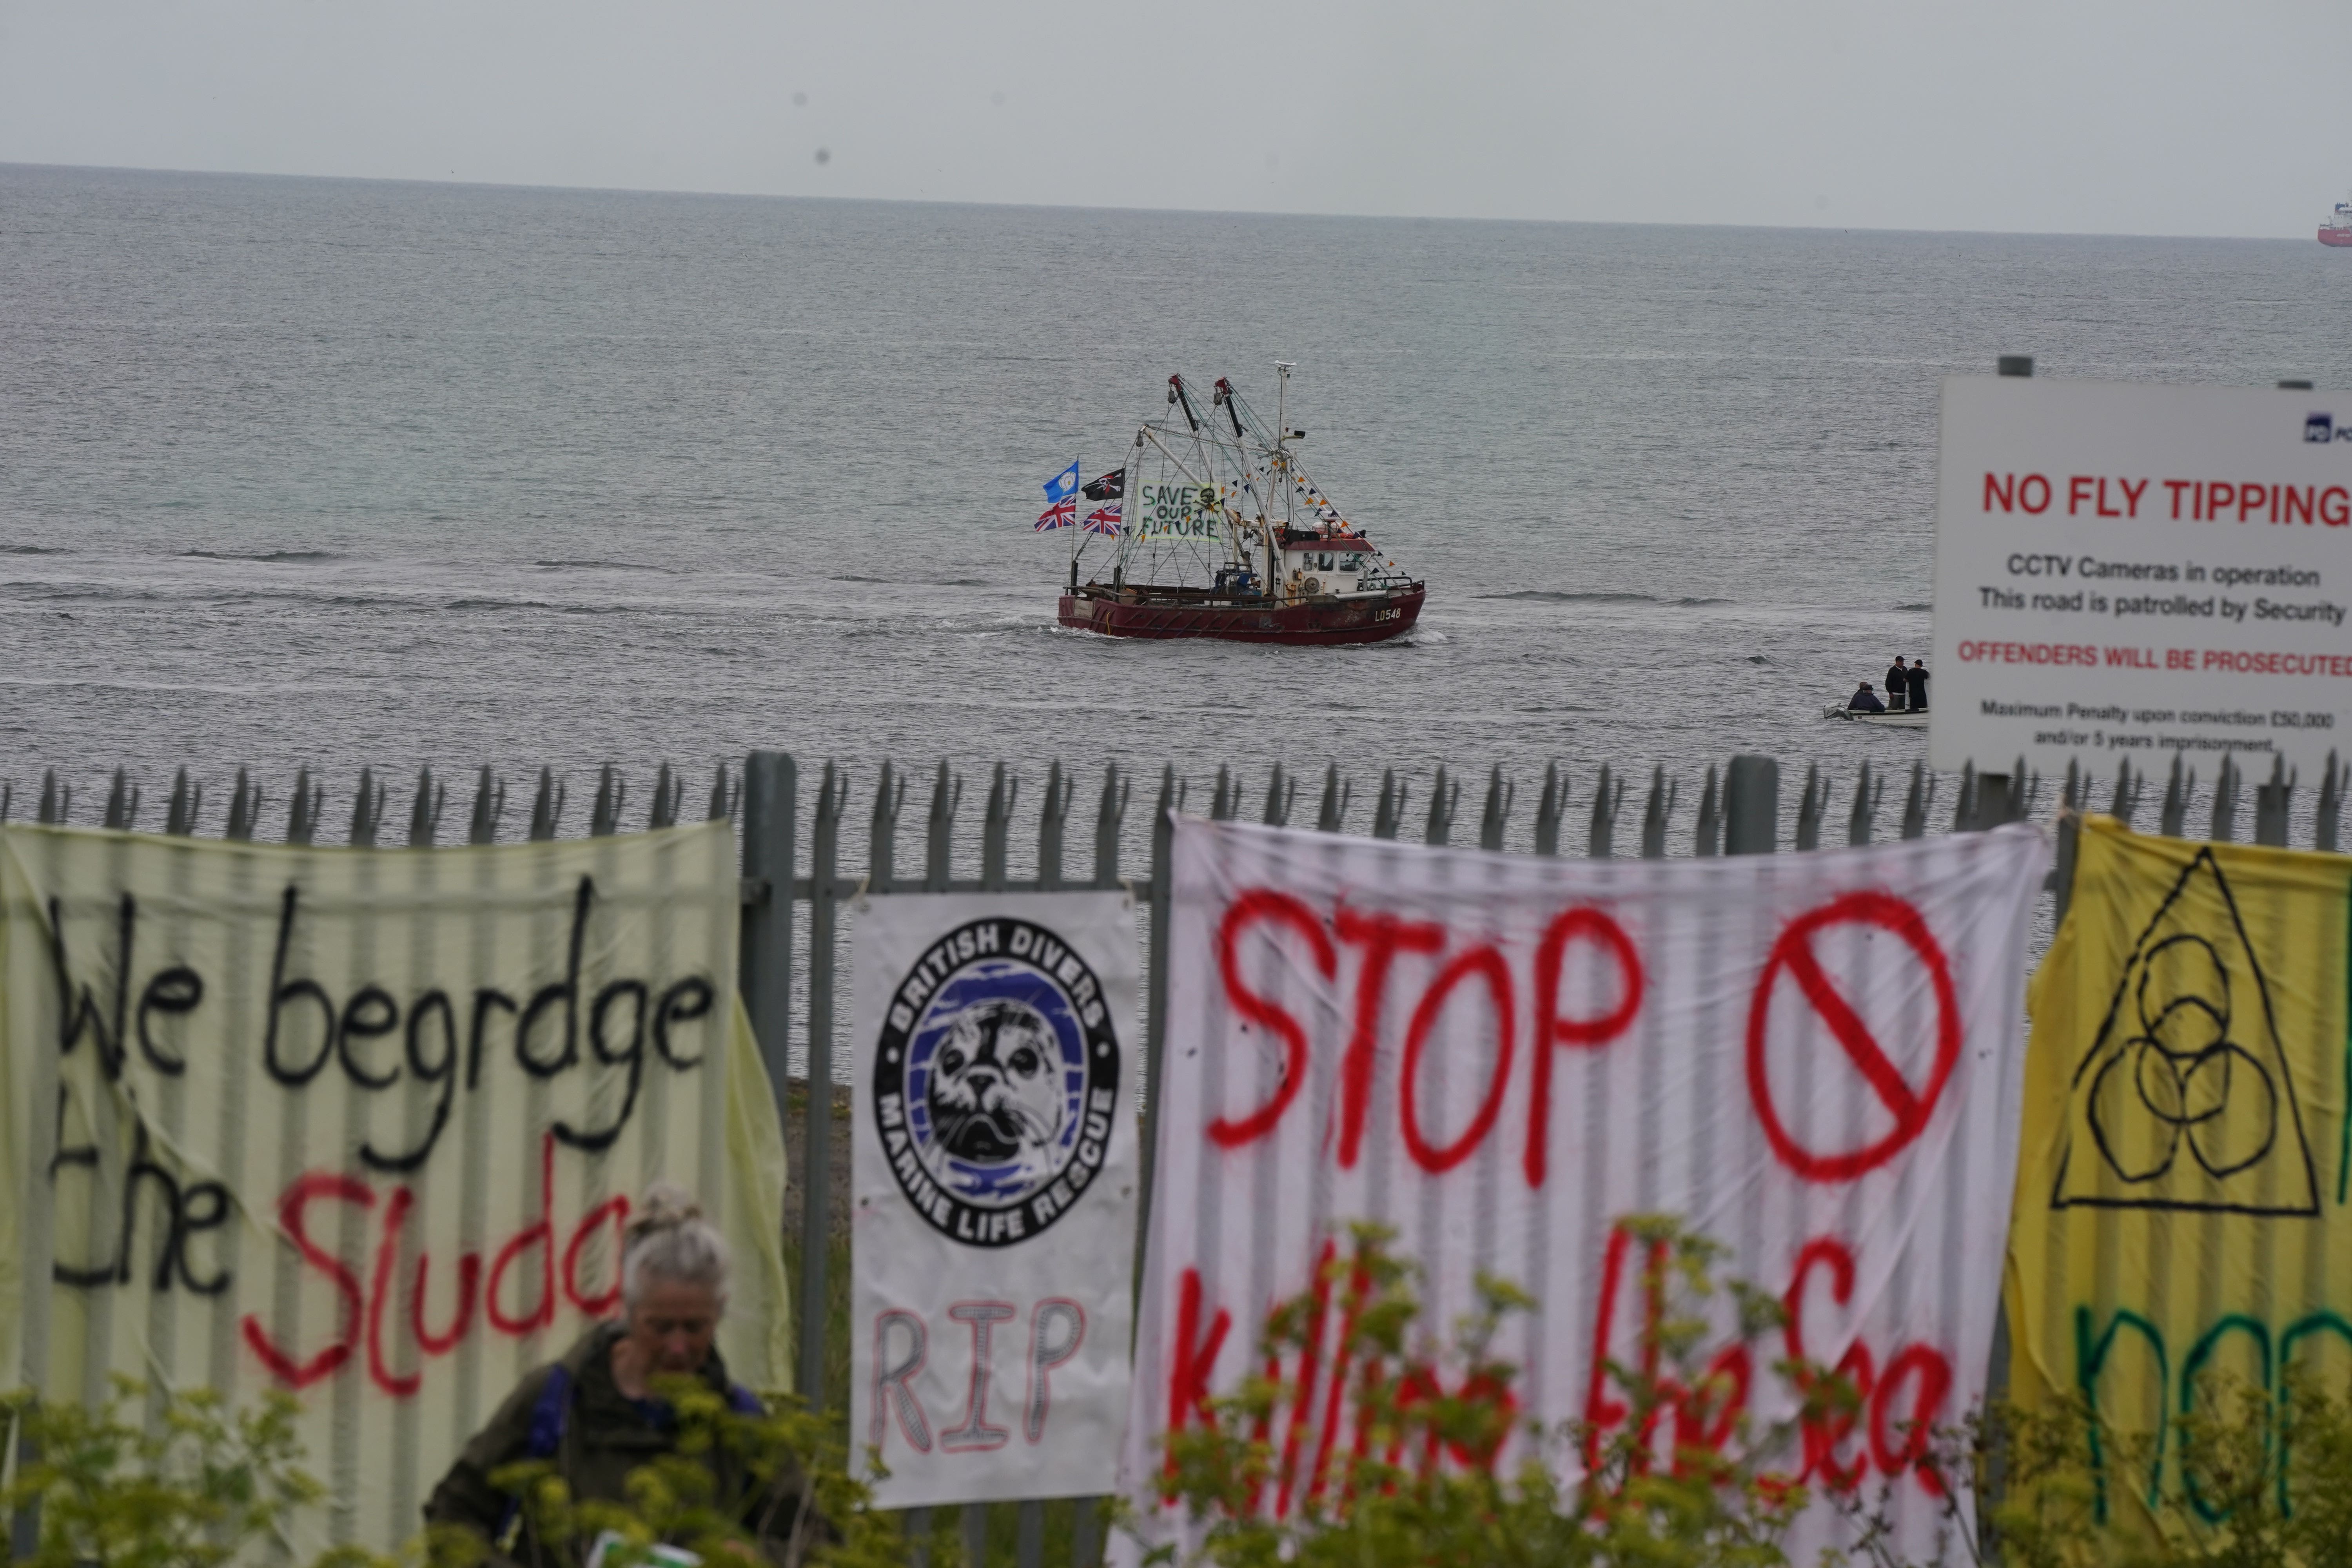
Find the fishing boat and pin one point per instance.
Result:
(2338, 229)
(1213, 529)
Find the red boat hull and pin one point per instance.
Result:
(2341, 236)
(1133, 613)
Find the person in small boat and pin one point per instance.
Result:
(1898, 684)
(1917, 681)
(1865, 701)
(596, 1414)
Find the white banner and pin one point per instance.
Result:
(2141, 571)
(994, 1173)
(365, 1126)
(1812, 1059)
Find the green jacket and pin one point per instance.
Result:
(599, 1436)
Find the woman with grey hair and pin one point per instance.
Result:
(596, 1413)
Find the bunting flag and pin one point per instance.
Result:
(1812, 1059)
(2184, 1195)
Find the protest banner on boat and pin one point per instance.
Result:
(1812, 1059)
(992, 1230)
(2143, 570)
(365, 1125)
(2180, 1214)
(1174, 511)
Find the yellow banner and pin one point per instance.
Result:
(365, 1125)
(2181, 1211)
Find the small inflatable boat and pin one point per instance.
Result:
(1885, 720)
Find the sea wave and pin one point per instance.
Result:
(1565, 596)
(277, 557)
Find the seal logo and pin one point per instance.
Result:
(996, 1081)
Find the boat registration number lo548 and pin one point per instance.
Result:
(1388, 614)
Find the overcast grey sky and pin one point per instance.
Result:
(2120, 116)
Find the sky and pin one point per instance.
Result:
(2225, 117)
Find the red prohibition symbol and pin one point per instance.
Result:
(1910, 1108)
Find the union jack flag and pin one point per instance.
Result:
(1103, 518)
(1061, 500)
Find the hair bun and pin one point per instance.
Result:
(667, 1206)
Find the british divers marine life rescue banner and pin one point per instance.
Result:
(2181, 1204)
(993, 1232)
(1812, 1059)
(365, 1125)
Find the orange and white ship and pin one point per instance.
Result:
(2338, 229)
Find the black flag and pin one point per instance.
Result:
(1110, 487)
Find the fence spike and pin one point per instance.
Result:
(1551, 807)
(122, 803)
(1050, 816)
(1656, 815)
(1601, 842)
(424, 815)
(1221, 804)
(2124, 802)
(1863, 817)
(2331, 803)
(2176, 800)
(1497, 811)
(1336, 793)
(1811, 807)
(547, 810)
(722, 803)
(1281, 791)
(243, 808)
(53, 799)
(1916, 805)
(489, 804)
(995, 828)
(367, 810)
(939, 846)
(180, 815)
(1389, 815)
(1110, 812)
(1964, 811)
(8, 798)
(1710, 818)
(2273, 803)
(663, 813)
(882, 842)
(2024, 791)
(2225, 802)
(1442, 801)
(612, 790)
(302, 817)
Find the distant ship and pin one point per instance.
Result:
(1223, 535)
(2338, 229)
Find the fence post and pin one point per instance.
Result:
(1811, 807)
(2331, 803)
(1916, 805)
(1600, 838)
(1442, 802)
(1654, 816)
(1389, 815)
(1751, 803)
(938, 842)
(770, 829)
(1109, 816)
(1710, 818)
(2225, 803)
(2272, 803)
(1333, 816)
(996, 826)
(1051, 817)
(2128, 789)
(1498, 810)
(2176, 800)
(1865, 814)
(1550, 809)
(1155, 1024)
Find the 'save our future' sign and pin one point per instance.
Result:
(2141, 571)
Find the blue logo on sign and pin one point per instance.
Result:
(2320, 427)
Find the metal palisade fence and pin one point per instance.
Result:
(791, 973)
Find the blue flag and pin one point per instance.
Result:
(1059, 486)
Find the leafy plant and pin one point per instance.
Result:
(186, 1484)
(796, 1495)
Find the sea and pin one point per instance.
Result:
(355, 474)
